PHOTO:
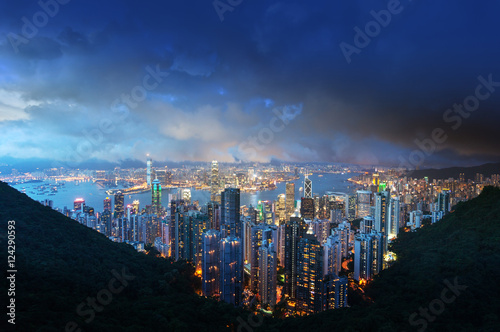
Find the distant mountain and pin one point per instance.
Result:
(454, 172)
(444, 279)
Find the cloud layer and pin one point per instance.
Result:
(224, 82)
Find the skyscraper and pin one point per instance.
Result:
(231, 270)
(149, 165)
(307, 208)
(295, 229)
(368, 255)
(350, 207)
(444, 201)
(107, 204)
(156, 196)
(230, 212)
(363, 203)
(394, 218)
(119, 205)
(210, 263)
(79, 205)
(307, 186)
(289, 199)
(309, 274)
(381, 209)
(214, 182)
(268, 264)
(334, 292)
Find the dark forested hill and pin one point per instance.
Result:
(454, 172)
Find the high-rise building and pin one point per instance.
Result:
(350, 207)
(230, 212)
(149, 165)
(444, 201)
(295, 229)
(394, 218)
(289, 199)
(363, 203)
(307, 187)
(260, 235)
(343, 230)
(107, 204)
(381, 211)
(334, 292)
(368, 255)
(186, 195)
(210, 263)
(268, 265)
(214, 182)
(156, 196)
(79, 205)
(332, 249)
(119, 205)
(309, 274)
(231, 270)
(281, 209)
(307, 208)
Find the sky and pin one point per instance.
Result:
(403, 83)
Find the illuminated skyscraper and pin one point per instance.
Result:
(107, 204)
(230, 212)
(289, 199)
(444, 201)
(295, 229)
(332, 249)
(119, 205)
(381, 211)
(214, 182)
(309, 274)
(368, 255)
(149, 165)
(156, 196)
(363, 203)
(210, 263)
(394, 218)
(307, 208)
(268, 265)
(307, 186)
(281, 209)
(350, 207)
(231, 270)
(79, 205)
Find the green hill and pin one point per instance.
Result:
(61, 264)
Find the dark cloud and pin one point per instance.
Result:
(226, 78)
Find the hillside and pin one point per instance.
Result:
(454, 172)
(61, 263)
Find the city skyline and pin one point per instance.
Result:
(258, 82)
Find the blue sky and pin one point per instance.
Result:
(210, 89)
